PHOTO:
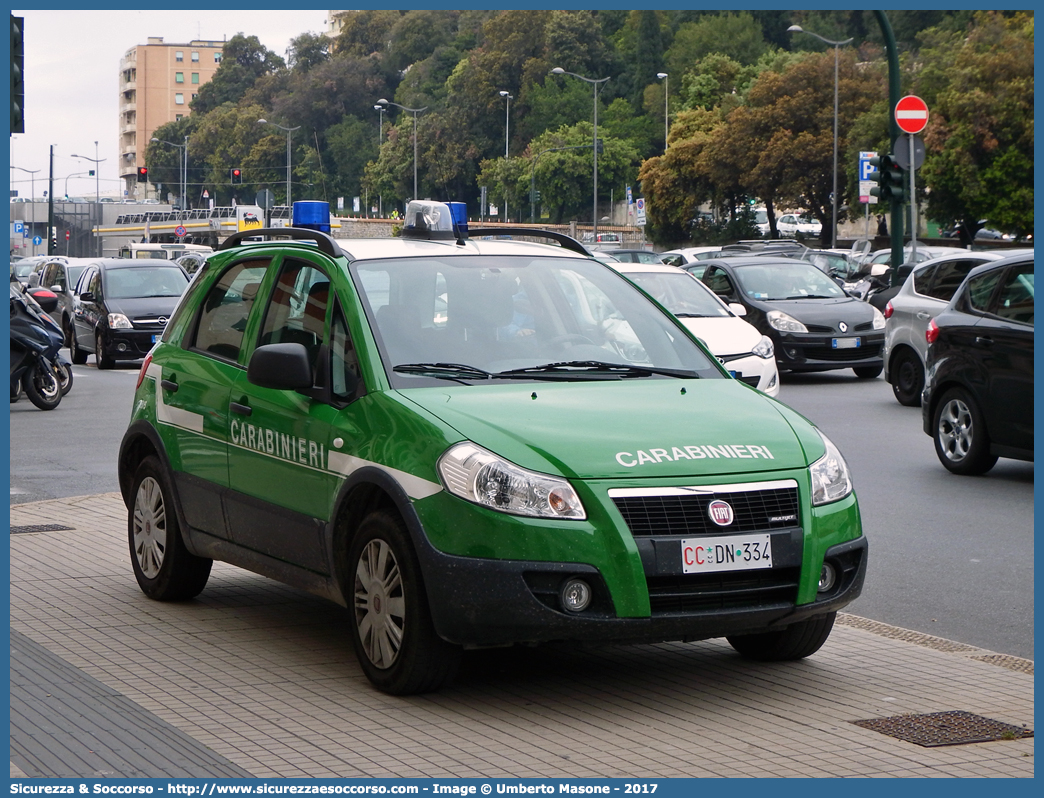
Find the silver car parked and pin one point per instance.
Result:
(928, 289)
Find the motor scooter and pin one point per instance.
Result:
(34, 349)
(63, 368)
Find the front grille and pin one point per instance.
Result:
(842, 355)
(722, 591)
(752, 380)
(150, 323)
(685, 512)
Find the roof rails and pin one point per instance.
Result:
(567, 242)
(326, 243)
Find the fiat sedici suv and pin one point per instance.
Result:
(470, 443)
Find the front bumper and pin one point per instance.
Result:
(759, 372)
(129, 344)
(817, 352)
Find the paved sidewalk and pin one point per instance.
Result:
(257, 679)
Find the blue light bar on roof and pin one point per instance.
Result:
(435, 220)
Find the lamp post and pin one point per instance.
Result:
(507, 126)
(663, 76)
(594, 148)
(32, 190)
(288, 130)
(836, 46)
(74, 174)
(380, 140)
(184, 167)
(95, 160)
(413, 111)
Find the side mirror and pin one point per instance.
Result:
(57, 289)
(87, 296)
(738, 309)
(878, 269)
(284, 367)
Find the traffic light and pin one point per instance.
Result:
(236, 175)
(17, 75)
(143, 174)
(889, 176)
(536, 195)
(598, 146)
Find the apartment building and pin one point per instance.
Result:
(157, 83)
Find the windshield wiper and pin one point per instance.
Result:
(811, 296)
(448, 371)
(573, 368)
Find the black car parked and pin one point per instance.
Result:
(813, 324)
(123, 306)
(977, 404)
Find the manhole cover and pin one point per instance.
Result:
(945, 728)
(16, 530)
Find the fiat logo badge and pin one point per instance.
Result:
(720, 512)
(842, 327)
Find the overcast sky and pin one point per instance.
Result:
(72, 62)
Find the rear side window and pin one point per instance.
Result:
(949, 276)
(223, 317)
(923, 280)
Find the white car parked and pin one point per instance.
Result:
(790, 224)
(745, 352)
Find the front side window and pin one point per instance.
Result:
(226, 308)
(297, 310)
(980, 290)
(1015, 301)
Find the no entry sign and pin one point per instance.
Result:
(911, 114)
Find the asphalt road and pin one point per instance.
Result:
(950, 556)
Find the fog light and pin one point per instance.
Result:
(827, 578)
(575, 595)
(121, 347)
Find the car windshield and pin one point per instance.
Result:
(21, 270)
(681, 294)
(468, 318)
(778, 280)
(144, 281)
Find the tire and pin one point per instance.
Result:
(67, 330)
(868, 372)
(392, 632)
(797, 641)
(42, 387)
(907, 375)
(64, 373)
(164, 568)
(76, 355)
(962, 442)
(100, 358)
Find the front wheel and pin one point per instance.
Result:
(164, 568)
(76, 354)
(868, 372)
(63, 371)
(42, 387)
(907, 375)
(962, 443)
(797, 641)
(392, 631)
(101, 359)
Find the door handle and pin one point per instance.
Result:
(922, 315)
(983, 340)
(169, 385)
(242, 410)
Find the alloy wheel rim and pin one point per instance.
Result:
(955, 430)
(379, 604)
(150, 527)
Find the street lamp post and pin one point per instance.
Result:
(507, 126)
(95, 160)
(594, 147)
(184, 167)
(663, 76)
(413, 111)
(380, 140)
(32, 190)
(288, 130)
(836, 46)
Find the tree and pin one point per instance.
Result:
(308, 50)
(737, 36)
(979, 140)
(243, 61)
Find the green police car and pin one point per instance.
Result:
(472, 442)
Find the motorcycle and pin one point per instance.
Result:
(35, 344)
(63, 368)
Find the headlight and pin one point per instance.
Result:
(879, 319)
(764, 348)
(783, 322)
(830, 478)
(472, 473)
(117, 321)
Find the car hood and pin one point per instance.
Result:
(143, 307)
(825, 312)
(725, 335)
(650, 428)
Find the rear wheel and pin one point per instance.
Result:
(797, 641)
(103, 361)
(392, 632)
(164, 568)
(42, 387)
(868, 372)
(907, 375)
(64, 373)
(961, 440)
